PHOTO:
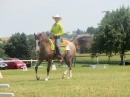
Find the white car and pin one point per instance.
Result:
(3, 65)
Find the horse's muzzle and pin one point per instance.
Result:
(37, 49)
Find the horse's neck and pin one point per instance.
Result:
(45, 42)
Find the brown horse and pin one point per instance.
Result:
(43, 47)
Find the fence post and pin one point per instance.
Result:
(74, 61)
(31, 62)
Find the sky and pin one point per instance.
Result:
(35, 16)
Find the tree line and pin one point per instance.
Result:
(19, 46)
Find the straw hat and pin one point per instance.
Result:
(57, 16)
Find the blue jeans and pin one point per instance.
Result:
(58, 40)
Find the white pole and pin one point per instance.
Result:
(31, 62)
(97, 59)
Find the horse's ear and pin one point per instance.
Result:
(35, 34)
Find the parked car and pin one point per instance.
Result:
(3, 65)
(14, 63)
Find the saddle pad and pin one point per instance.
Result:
(64, 48)
(52, 44)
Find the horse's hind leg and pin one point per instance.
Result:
(36, 69)
(70, 70)
(69, 63)
(63, 76)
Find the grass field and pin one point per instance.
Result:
(114, 81)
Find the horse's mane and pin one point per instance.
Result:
(43, 38)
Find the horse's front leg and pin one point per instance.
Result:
(36, 69)
(48, 70)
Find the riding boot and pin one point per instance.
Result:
(60, 58)
(54, 56)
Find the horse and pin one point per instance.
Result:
(43, 47)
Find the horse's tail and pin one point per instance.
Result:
(82, 41)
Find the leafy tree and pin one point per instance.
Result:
(113, 34)
(83, 50)
(31, 42)
(78, 31)
(18, 46)
(2, 51)
(91, 30)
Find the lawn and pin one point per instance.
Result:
(114, 81)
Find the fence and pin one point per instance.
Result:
(101, 59)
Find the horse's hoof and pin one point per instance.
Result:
(38, 78)
(63, 77)
(46, 79)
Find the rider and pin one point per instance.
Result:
(57, 31)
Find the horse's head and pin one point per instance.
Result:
(37, 39)
(41, 39)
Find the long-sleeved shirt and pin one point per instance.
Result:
(57, 29)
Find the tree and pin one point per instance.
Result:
(78, 31)
(83, 50)
(91, 30)
(31, 42)
(2, 51)
(18, 46)
(113, 34)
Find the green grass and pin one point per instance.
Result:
(113, 81)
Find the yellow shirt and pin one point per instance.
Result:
(57, 29)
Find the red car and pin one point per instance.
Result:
(14, 63)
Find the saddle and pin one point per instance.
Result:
(63, 44)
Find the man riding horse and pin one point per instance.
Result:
(57, 31)
(45, 52)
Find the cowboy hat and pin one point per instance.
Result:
(57, 16)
